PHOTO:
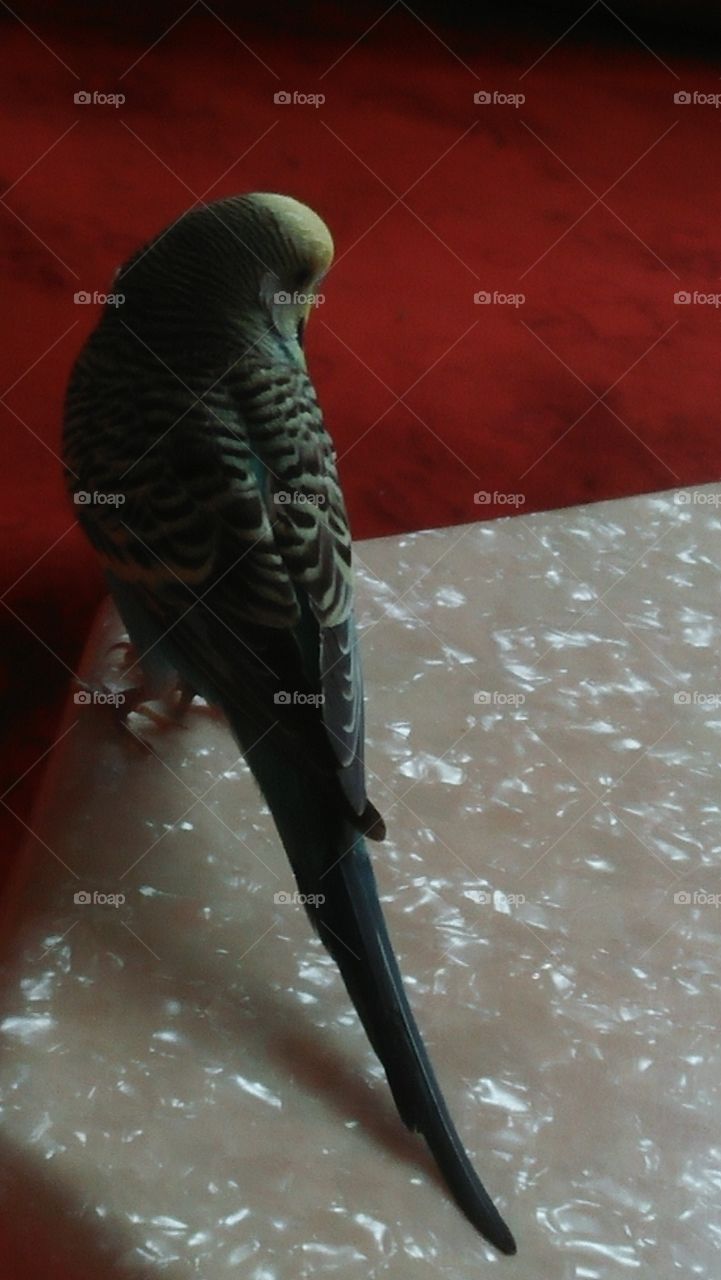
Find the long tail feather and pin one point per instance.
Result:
(350, 923)
(332, 867)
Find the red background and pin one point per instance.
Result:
(598, 385)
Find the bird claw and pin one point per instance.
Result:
(136, 700)
(130, 658)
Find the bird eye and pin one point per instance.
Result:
(301, 331)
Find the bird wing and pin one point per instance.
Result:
(311, 532)
(231, 535)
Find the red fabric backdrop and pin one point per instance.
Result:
(596, 199)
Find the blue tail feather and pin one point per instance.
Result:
(332, 867)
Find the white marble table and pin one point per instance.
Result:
(185, 1090)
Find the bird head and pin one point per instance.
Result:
(251, 262)
(299, 251)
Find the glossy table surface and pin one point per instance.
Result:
(185, 1089)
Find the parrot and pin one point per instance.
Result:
(204, 476)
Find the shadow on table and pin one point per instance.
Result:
(46, 1233)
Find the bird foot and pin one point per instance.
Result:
(170, 704)
(175, 698)
(175, 703)
(136, 700)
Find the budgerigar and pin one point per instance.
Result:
(214, 504)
